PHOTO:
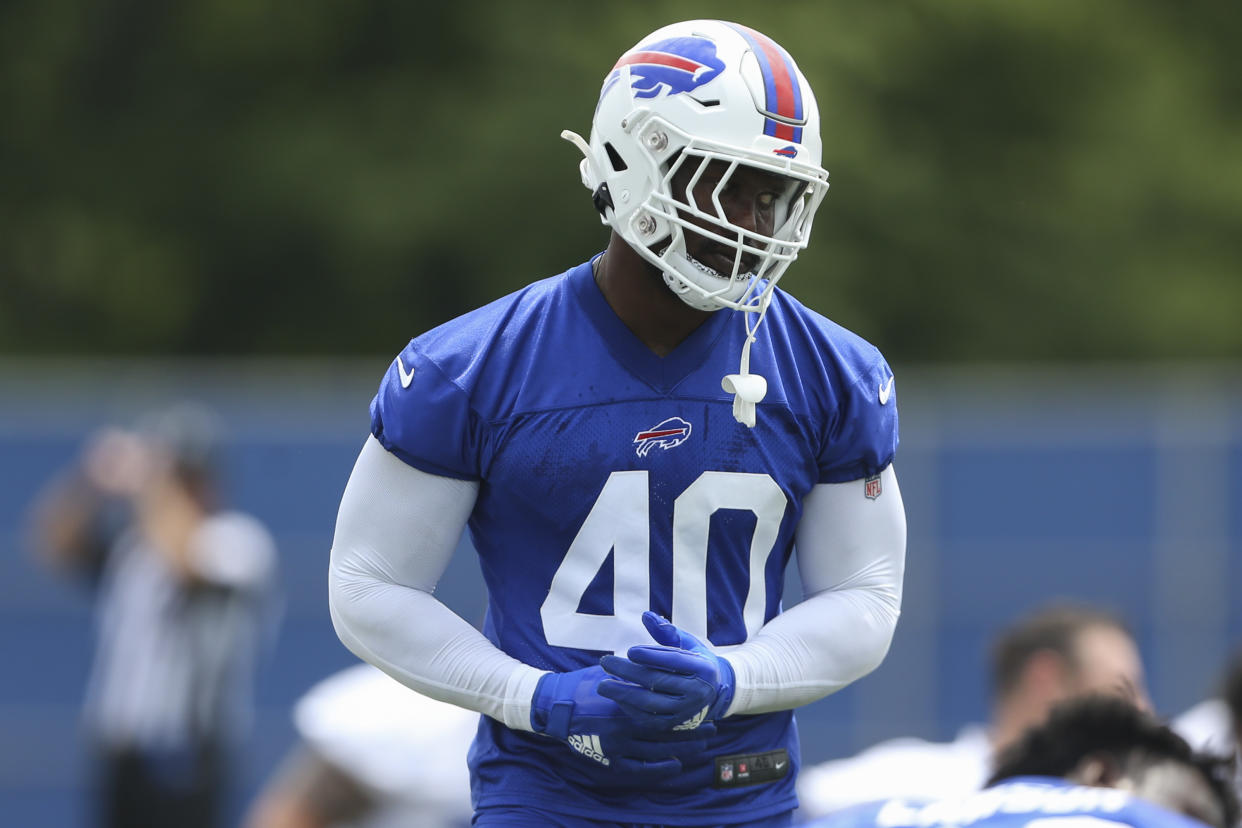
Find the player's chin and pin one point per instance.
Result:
(720, 261)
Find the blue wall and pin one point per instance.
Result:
(1115, 485)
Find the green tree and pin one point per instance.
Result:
(1018, 180)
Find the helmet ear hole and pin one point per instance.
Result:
(614, 157)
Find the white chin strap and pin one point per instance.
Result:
(748, 389)
(684, 274)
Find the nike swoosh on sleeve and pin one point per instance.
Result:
(406, 378)
(885, 390)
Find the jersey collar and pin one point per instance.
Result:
(660, 373)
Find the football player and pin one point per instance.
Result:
(1097, 761)
(1057, 652)
(370, 754)
(637, 458)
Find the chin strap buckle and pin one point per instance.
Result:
(602, 199)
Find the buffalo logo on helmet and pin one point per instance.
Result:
(679, 64)
(668, 434)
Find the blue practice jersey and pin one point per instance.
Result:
(615, 481)
(1023, 802)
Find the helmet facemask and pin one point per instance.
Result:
(690, 201)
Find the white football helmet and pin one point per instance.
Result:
(685, 96)
(688, 94)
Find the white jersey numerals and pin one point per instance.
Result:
(618, 523)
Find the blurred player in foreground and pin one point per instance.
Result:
(1097, 762)
(182, 607)
(1056, 653)
(632, 488)
(373, 754)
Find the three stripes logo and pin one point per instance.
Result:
(588, 745)
(694, 721)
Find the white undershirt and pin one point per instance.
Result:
(398, 527)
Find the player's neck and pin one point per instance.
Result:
(638, 295)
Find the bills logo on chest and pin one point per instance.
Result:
(667, 434)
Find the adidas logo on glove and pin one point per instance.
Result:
(693, 722)
(588, 745)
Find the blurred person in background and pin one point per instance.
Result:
(1215, 724)
(1055, 653)
(631, 488)
(1096, 761)
(372, 753)
(182, 590)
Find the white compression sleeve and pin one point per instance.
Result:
(851, 555)
(395, 532)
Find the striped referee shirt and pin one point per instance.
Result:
(174, 660)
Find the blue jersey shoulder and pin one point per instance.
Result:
(836, 377)
(499, 329)
(438, 396)
(853, 355)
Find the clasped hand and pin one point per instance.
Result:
(678, 684)
(640, 713)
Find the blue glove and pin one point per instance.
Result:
(567, 707)
(678, 686)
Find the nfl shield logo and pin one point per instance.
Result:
(726, 772)
(871, 487)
